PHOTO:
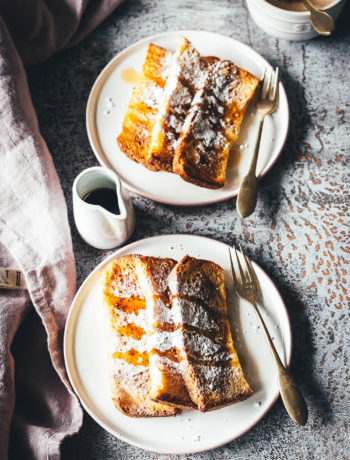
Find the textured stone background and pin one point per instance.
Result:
(299, 233)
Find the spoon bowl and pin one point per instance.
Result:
(287, 24)
(321, 21)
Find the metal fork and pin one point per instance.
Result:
(247, 289)
(266, 104)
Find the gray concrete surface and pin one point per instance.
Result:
(299, 233)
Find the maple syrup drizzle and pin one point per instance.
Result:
(131, 330)
(133, 357)
(105, 197)
(126, 304)
(170, 354)
(129, 75)
(234, 158)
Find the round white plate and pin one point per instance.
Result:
(109, 99)
(191, 431)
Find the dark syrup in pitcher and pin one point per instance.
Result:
(105, 197)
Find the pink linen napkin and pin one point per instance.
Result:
(40, 28)
(37, 405)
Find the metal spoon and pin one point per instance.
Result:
(321, 21)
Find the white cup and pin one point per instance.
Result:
(290, 25)
(100, 228)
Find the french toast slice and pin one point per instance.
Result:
(167, 384)
(186, 76)
(209, 362)
(128, 356)
(135, 137)
(212, 125)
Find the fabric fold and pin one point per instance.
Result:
(41, 28)
(34, 229)
(35, 393)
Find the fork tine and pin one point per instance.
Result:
(252, 272)
(235, 281)
(274, 87)
(248, 266)
(264, 76)
(243, 278)
(266, 84)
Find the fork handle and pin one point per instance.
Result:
(248, 191)
(254, 161)
(291, 396)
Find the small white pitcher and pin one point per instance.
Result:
(97, 226)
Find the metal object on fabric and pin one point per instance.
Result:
(12, 279)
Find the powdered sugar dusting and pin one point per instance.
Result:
(216, 378)
(193, 327)
(164, 362)
(167, 64)
(134, 378)
(193, 314)
(128, 356)
(138, 318)
(151, 95)
(164, 340)
(198, 346)
(186, 75)
(206, 119)
(205, 351)
(124, 343)
(161, 313)
(122, 282)
(191, 67)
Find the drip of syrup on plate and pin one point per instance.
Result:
(129, 75)
(235, 158)
(105, 197)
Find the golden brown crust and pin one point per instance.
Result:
(129, 358)
(135, 137)
(189, 345)
(213, 124)
(187, 74)
(209, 363)
(161, 133)
(167, 384)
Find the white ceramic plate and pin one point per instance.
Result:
(109, 99)
(191, 431)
